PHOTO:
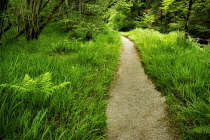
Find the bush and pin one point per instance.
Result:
(120, 17)
(199, 31)
(146, 21)
(178, 26)
(86, 31)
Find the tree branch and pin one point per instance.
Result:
(50, 15)
(113, 4)
(42, 7)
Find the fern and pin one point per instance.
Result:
(204, 109)
(202, 129)
(41, 86)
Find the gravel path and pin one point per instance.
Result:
(135, 110)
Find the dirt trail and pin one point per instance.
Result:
(135, 109)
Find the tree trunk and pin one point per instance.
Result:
(50, 16)
(187, 18)
(3, 7)
(31, 29)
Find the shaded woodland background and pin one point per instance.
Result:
(85, 18)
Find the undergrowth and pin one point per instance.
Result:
(55, 87)
(181, 70)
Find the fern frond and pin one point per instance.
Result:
(208, 100)
(62, 85)
(41, 86)
(46, 78)
(14, 87)
(202, 129)
(26, 79)
(45, 81)
(208, 115)
(19, 88)
(30, 84)
(4, 85)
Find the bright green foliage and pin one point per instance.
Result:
(120, 16)
(176, 13)
(146, 21)
(38, 89)
(180, 70)
(201, 111)
(84, 20)
(76, 111)
(129, 14)
(202, 129)
(166, 4)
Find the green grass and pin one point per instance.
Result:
(30, 105)
(181, 71)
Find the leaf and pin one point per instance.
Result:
(26, 79)
(42, 86)
(62, 85)
(202, 129)
(45, 81)
(166, 4)
(14, 87)
(4, 85)
(28, 82)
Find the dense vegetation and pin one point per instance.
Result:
(55, 88)
(84, 18)
(192, 16)
(58, 57)
(180, 70)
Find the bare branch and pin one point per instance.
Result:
(50, 15)
(42, 7)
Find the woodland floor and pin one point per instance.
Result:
(136, 110)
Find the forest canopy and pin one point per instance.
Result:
(85, 18)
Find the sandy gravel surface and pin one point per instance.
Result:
(135, 109)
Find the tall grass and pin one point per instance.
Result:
(31, 70)
(181, 70)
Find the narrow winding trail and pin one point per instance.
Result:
(135, 109)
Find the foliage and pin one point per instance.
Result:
(38, 89)
(76, 111)
(177, 26)
(146, 21)
(3, 18)
(166, 4)
(201, 109)
(87, 30)
(180, 70)
(79, 48)
(85, 20)
(31, 17)
(120, 16)
(179, 13)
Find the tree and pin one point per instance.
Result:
(187, 18)
(83, 19)
(121, 16)
(3, 8)
(32, 17)
(191, 16)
